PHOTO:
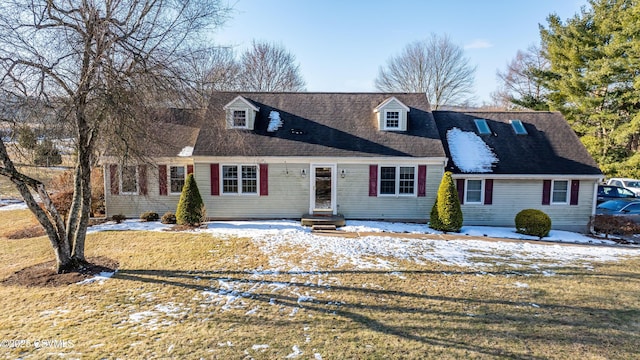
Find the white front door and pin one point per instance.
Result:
(323, 188)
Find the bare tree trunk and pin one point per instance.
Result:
(48, 217)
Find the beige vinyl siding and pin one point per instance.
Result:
(288, 194)
(393, 106)
(512, 196)
(354, 201)
(133, 205)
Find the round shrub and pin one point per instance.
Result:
(168, 218)
(149, 216)
(118, 218)
(533, 222)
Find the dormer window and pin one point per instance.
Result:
(239, 118)
(392, 115)
(241, 114)
(392, 119)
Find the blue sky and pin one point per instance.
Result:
(340, 45)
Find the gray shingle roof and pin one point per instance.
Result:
(319, 124)
(550, 147)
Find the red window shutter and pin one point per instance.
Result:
(460, 187)
(264, 179)
(546, 192)
(215, 179)
(422, 180)
(373, 180)
(142, 179)
(575, 190)
(189, 169)
(114, 179)
(488, 191)
(162, 179)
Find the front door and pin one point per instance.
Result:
(323, 189)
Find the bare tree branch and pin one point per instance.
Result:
(434, 66)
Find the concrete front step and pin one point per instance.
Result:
(323, 219)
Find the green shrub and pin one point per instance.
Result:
(190, 206)
(118, 218)
(168, 218)
(446, 214)
(149, 216)
(533, 222)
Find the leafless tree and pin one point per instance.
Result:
(97, 63)
(435, 66)
(520, 84)
(269, 67)
(212, 69)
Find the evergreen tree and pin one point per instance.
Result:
(446, 214)
(190, 207)
(593, 80)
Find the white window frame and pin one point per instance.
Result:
(466, 192)
(169, 178)
(386, 112)
(135, 179)
(567, 192)
(233, 119)
(240, 179)
(397, 180)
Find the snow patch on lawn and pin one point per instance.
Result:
(100, 278)
(134, 225)
(12, 204)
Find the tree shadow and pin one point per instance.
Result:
(407, 305)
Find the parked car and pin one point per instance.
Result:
(631, 184)
(628, 208)
(610, 192)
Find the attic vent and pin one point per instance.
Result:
(518, 127)
(482, 126)
(274, 121)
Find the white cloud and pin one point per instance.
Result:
(478, 44)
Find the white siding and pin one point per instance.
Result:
(133, 205)
(512, 196)
(354, 201)
(288, 195)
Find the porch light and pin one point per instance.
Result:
(343, 173)
(303, 172)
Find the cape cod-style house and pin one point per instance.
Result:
(361, 156)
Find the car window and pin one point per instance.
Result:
(616, 183)
(613, 205)
(634, 184)
(633, 209)
(625, 193)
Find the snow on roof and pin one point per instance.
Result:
(186, 151)
(469, 152)
(275, 122)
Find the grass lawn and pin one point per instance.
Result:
(189, 295)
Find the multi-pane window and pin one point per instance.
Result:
(176, 179)
(560, 191)
(474, 192)
(129, 183)
(239, 118)
(406, 181)
(387, 180)
(239, 179)
(249, 179)
(397, 180)
(392, 119)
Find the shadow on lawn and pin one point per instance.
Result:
(514, 320)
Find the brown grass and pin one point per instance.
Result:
(159, 305)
